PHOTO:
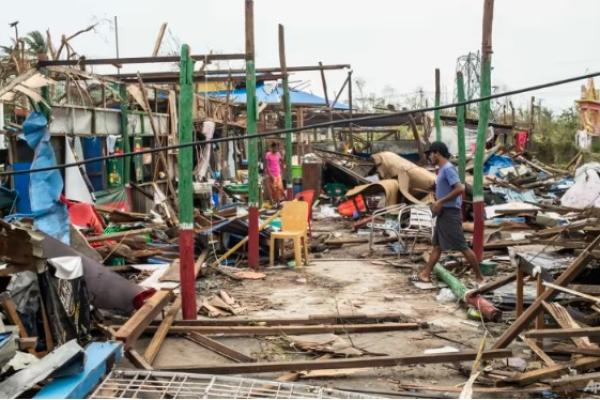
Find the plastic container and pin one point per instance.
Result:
(296, 171)
(488, 267)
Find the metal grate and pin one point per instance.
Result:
(141, 384)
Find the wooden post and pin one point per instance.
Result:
(530, 143)
(436, 114)
(125, 135)
(460, 127)
(351, 133)
(287, 109)
(520, 283)
(484, 111)
(186, 206)
(252, 142)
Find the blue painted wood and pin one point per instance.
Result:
(99, 359)
(93, 147)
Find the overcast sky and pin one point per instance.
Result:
(388, 43)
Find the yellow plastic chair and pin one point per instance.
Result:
(294, 225)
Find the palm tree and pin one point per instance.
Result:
(36, 45)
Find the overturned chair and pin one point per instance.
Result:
(414, 222)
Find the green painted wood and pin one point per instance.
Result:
(484, 113)
(437, 113)
(125, 135)
(251, 130)
(186, 154)
(287, 105)
(460, 127)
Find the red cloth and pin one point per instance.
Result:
(84, 215)
(520, 141)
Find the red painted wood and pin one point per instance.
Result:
(186, 272)
(253, 237)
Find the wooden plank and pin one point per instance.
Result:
(137, 360)
(359, 362)
(219, 348)
(573, 292)
(119, 235)
(564, 319)
(318, 319)
(563, 332)
(564, 279)
(589, 381)
(539, 352)
(13, 316)
(162, 331)
(135, 326)
(290, 329)
(491, 286)
(529, 377)
(561, 348)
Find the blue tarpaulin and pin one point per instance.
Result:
(496, 163)
(527, 196)
(272, 95)
(45, 187)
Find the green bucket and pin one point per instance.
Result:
(488, 267)
(296, 171)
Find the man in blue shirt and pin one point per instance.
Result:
(448, 234)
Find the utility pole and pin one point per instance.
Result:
(484, 111)
(287, 109)
(350, 133)
(251, 131)
(531, 124)
(436, 113)
(117, 41)
(186, 201)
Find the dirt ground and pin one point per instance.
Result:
(337, 281)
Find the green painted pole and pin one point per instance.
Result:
(125, 135)
(252, 142)
(436, 114)
(287, 108)
(460, 127)
(484, 111)
(186, 202)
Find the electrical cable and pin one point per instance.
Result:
(326, 124)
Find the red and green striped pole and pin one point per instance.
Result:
(287, 109)
(252, 145)
(186, 204)
(484, 111)
(437, 119)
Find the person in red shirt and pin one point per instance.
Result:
(274, 166)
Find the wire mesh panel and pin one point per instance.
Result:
(141, 384)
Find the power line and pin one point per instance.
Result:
(327, 124)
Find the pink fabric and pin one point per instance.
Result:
(273, 160)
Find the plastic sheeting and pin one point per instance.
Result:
(513, 195)
(586, 190)
(45, 187)
(495, 163)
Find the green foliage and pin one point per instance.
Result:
(36, 43)
(554, 135)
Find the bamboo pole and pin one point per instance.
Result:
(460, 127)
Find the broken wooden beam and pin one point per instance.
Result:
(318, 319)
(539, 352)
(537, 375)
(137, 360)
(290, 329)
(359, 362)
(219, 348)
(135, 326)
(162, 331)
(562, 332)
(564, 279)
(491, 286)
